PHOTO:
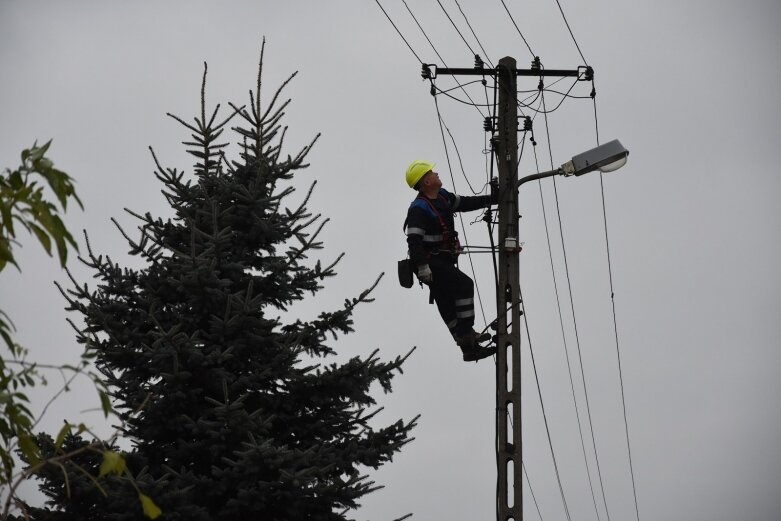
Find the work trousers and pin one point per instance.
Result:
(453, 291)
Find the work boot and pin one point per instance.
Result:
(471, 349)
(472, 338)
(467, 340)
(478, 352)
(482, 337)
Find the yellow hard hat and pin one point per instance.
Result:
(416, 170)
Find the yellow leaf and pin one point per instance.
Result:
(151, 510)
(112, 462)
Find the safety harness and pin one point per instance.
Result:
(450, 242)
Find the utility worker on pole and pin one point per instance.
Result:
(434, 249)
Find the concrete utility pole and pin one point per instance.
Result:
(508, 301)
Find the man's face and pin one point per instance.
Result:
(432, 179)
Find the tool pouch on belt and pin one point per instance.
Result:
(405, 273)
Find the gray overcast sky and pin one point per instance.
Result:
(689, 87)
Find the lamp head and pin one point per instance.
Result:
(605, 158)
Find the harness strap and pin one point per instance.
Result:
(446, 234)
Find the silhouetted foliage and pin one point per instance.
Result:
(230, 410)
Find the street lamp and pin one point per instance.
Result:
(605, 158)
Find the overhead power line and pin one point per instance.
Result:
(518, 29)
(564, 340)
(456, 28)
(544, 416)
(466, 19)
(399, 32)
(463, 228)
(541, 108)
(574, 320)
(570, 32)
(615, 321)
(440, 56)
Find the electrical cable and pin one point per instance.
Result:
(521, 103)
(517, 28)
(439, 55)
(486, 152)
(461, 164)
(551, 85)
(528, 104)
(528, 482)
(485, 54)
(564, 94)
(441, 122)
(564, 338)
(488, 219)
(492, 247)
(456, 28)
(570, 32)
(564, 97)
(461, 85)
(397, 30)
(542, 406)
(471, 102)
(574, 320)
(463, 228)
(615, 322)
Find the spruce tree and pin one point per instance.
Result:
(231, 411)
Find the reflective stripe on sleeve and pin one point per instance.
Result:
(465, 301)
(465, 314)
(416, 231)
(457, 202)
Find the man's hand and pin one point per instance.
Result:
(494, 184)
(424, 274)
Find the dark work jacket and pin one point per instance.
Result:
(427, 235)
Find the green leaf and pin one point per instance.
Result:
(45, 164)
(59, 233)
(43, 237)
(5, 254)
(7, 219)
(36, 153)
(151, 510)
(113, 463)
(7, 338)
(29, 448)
(105, 403)
(15, 180)
(61, 435)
